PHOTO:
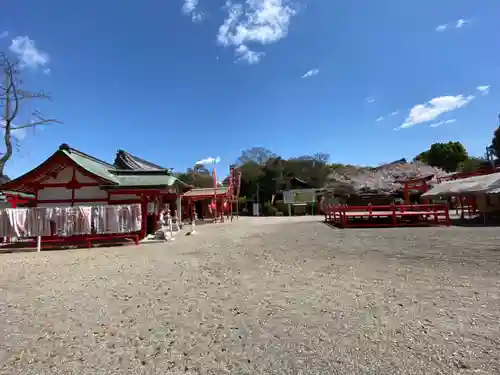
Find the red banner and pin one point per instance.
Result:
(231, 180)
(239, 184)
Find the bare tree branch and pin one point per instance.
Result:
(34, 123)
(22, 95)
(11, 98)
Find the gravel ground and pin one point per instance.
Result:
(259, 296)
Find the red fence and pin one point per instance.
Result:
(387, 216)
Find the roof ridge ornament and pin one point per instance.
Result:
(64, 147)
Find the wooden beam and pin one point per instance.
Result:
(84, 200)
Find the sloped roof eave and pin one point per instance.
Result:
(101, 171)
(128, 161)
(207, 192)
(470, 185)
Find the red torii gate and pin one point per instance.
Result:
(420, 184)
(14, 198)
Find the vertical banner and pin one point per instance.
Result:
(239, 184)
(215, 183)
(231, 180)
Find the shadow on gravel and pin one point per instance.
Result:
(474, 223)
(376, 228)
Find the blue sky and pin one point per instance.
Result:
(175, 81)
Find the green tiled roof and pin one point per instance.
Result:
(117, 177)
(111, 176)
(91, 164)
(125, 160)
(145, 180)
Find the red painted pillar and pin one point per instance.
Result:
(156, 214)
(447, 216)
(144, 211)
(406, 193)
(423, 188)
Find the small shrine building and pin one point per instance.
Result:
(70, 177)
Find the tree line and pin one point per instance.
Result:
(265, 174)
(453, 156)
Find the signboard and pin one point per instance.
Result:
(256, 209)
(297, 196)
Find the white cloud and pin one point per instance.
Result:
(436, 124)
(370, 100)
(247, 55)
(429, 111)
(255, 22)
(460, 23)
(395, 113)
(209, 160)
(47, 71)
(27, 52)
(4, 34)
(381, 118)
(485, 90)
(311, 73)
(18, 134)
(189, 8)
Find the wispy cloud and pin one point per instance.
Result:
(484, 90)
(208, 161)
(247, 55)
(4, 34)
(458, 24)
(18, 134)
(370, 100)
(436, 124)
(429, 111)
(189, 8)
(395, 113)
(381, 118)
(27, 52)
(255, 22)
(311, 73)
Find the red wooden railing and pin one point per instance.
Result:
(400, 215)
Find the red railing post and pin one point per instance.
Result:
(343, 221)
(394, 218)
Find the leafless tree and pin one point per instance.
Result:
(384, 179)
(12, 97)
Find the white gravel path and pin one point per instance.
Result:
(259, 296)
